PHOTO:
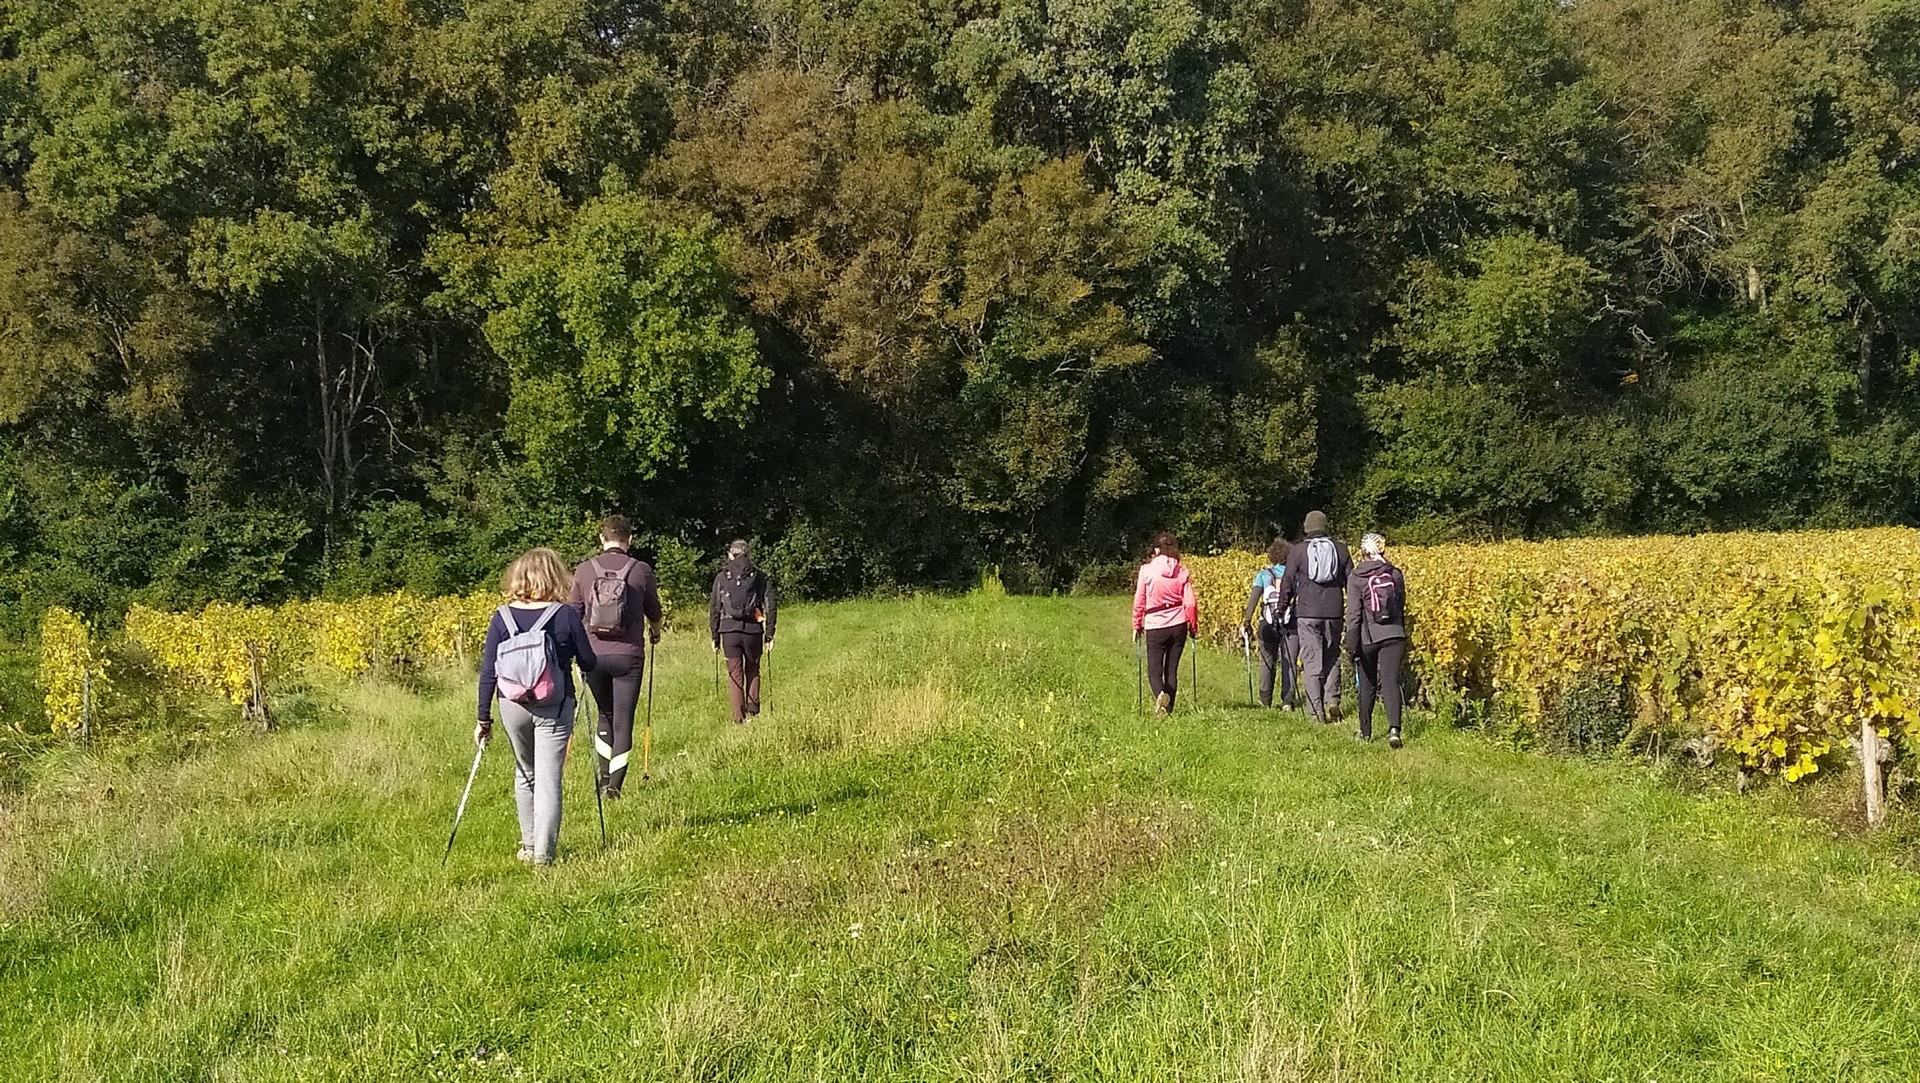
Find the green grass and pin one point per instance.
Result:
(950, 851)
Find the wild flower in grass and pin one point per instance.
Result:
(853, 931)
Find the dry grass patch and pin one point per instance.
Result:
(881, 717)
(20, 877)
(787, 888)
(1027, 866)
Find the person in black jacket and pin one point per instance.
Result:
(741, 619)
(1315, 586)
(1377, 633)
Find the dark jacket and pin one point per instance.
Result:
(761, 589)
(570, 645)
(1311, 600)
(1362, 629)
(643, 601)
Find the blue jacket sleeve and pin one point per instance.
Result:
(492, 643)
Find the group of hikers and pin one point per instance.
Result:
(1307, 603)
(602, 617)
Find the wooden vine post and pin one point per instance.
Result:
(255, 710)
(1870, 773)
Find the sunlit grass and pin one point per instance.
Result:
(949, 851)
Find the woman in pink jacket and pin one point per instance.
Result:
(1164, 610)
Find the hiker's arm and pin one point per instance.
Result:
(1354, 606)
(582, 642)
(1253, 603)
(650, 602)
(1190, 608)
(713, 613)
(577, 594)
(1140, 602)
(487, 678)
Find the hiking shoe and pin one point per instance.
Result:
(1162, 703)
(525, 854)
(613, 793)
(1366, 738)
(1393, 737)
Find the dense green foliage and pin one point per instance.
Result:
(964, 858)
(360, 294)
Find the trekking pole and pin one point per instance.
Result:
(600, 803)
(1246, 649)
(646, 731)
(464, 794)
(601, 773)
(1139, 663)
(1193, 667)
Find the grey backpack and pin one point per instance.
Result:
(607, 596)
(1323, 561)
(524, 667)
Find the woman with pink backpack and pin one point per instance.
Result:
(1377, 634)
(532, 644)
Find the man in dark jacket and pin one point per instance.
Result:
(1315, 586)
(618, 600)
(741, 619)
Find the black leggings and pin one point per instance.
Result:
(1377, 669)
(615, 683)
(1164, 646)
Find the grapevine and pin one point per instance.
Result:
(1778, 660)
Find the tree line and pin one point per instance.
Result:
(326, 296)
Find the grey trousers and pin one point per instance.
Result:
(1320, 665)
(539, 737)
(1279, 657)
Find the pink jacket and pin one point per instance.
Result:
(1163, 597)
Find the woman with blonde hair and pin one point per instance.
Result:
(1377, 634)
(531, 646)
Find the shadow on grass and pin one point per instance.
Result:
(847, 792)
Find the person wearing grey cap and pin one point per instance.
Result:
(741, 620)
(1315, 586)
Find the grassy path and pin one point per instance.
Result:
(951, 851)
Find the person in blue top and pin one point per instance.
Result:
(1270, 618)
(537, 586)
